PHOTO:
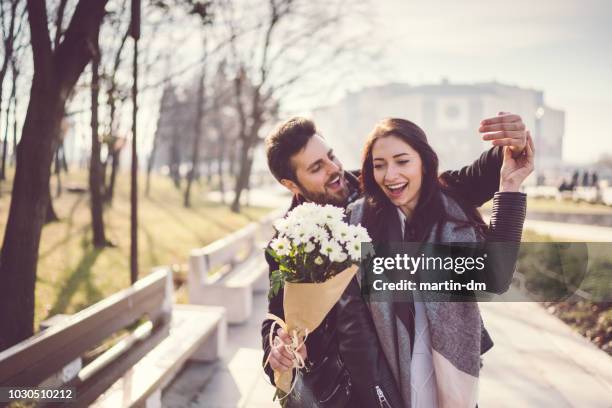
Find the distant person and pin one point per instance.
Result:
(541, 180)
(565, 186)
(585, 179)
(574, 179)
(594, 179)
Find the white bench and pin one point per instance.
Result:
(134, 370)
(228, 271)
(606, 195)
(588, 194)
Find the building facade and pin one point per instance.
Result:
(450, 115)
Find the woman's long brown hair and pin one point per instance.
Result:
(430, 208)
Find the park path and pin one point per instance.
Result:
(537, 361)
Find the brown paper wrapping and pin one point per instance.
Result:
(306, 305)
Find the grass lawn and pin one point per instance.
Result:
(73, 275)
(593, 320)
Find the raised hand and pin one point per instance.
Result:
(514, 169)
(505, 129)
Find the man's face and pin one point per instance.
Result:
(319, 174)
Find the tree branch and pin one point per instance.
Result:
(39, 35)
(58, 23)
(74, 53)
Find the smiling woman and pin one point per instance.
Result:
(399, 167)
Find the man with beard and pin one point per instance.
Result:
(342, 369)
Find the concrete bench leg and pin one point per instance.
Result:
(238, 301)
(262, 284)
(214, 346)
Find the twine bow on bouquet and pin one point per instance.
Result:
(318, 255)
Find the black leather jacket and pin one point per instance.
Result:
(346, 341)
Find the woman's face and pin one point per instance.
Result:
(398, 171)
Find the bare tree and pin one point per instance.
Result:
(114, 94)
(199, 111)
(56, 71)
(297, 40)
(197, 136)
(95, 167)
(135, 34)
(11, 22)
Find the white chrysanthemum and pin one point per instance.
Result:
(362, 234)
(281, 225)
(302, 233)
(326, 248)
(330, 248)
(359, 233)
(354, 250)
(342, 233)
(319, 234)
(309, 247)
(303, 211)
(281, 246)
(331, 214)
(318, 260)
(338, 256)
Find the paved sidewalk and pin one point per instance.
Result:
(537, 361)
(236, 381)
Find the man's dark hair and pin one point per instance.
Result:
(285, 141)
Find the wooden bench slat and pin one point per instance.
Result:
(35, 359)
(88, 391)
(191, 326)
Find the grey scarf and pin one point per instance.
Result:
(454, 329)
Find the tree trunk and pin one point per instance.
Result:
(51, 214)
(231, 157)
(95, 167)
(27, 214)
(58, 173)
(110, 192)
(175, 160)
(242, 180)
(5, 141)
(220, 168)
(209, 170)
(14, 156)
(63, 162)
(196, 140)
(135, 32)
(15, 75)
(150, 164)
(40, 136)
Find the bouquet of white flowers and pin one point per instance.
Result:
(313, 244)
(318, 254)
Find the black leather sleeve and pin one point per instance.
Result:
(361, 351)
(475, 184)
(503, 239)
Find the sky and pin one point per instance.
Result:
(562, 47)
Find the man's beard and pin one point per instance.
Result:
(323, 198)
